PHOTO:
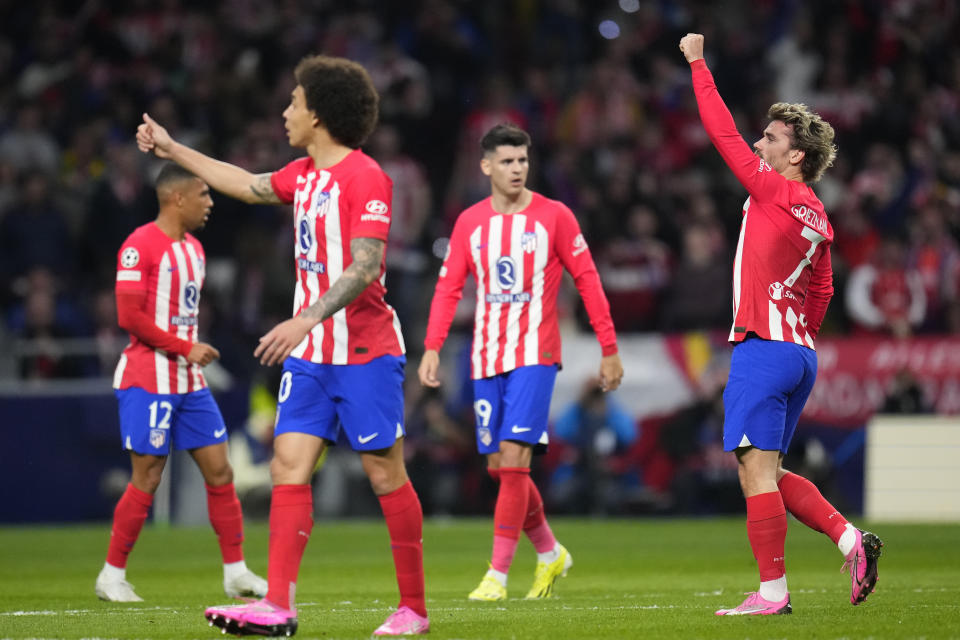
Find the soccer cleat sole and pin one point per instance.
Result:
(872, 545)
(238, 628)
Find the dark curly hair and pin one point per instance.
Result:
(811, 134)
(341, 94)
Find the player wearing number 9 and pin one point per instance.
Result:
(782, 284)
(162, 394)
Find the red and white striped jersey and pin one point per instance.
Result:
(782, 275)
(172, 274)
(332, 206)
(517, 261)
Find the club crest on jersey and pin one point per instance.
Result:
(484, 435)
(191, 295)
(129, 258)
(304, 236)
(322, 205)
(579, 245)
(528, 241)
(506, 272)
(157, 438)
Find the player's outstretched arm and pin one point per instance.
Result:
(692, 46)
(611, 372)
(222, 176)
(279, 342)
(429, 368)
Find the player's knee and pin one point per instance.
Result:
(221, 475)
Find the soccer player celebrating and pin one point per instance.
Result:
(782, 284)
(342, 342)
(160, 387)
(516, 244)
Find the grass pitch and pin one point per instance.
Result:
(631, 579)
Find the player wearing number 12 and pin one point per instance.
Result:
(516, 244)
(782, 284)
(160, 387)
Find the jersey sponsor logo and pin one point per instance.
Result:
(528, 241)
(763, 166)
(579, 245)
(377, 211)
(376, 206)
(129, 258)
(128, 276)
(183, 321)
(778, 292)
(311, 266)
(507, 297)
(304, 236)
(506, 272)
(191, 295)
(810, 217)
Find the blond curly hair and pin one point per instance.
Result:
(811, 134)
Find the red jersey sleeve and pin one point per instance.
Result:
(371, 199)
(819, 292)
(284, 181)
(449, 289)
(133, 264)
(758, 177)
(575, 256)
(132, 318)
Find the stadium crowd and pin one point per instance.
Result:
(600, 87)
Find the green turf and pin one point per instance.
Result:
(631, 579)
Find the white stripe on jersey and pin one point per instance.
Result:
(161, 318)
(737, 266)
(531, 344)
(183, 331)
(792, 322)
(815, 239)
(335, 261)
(396, 318)
(494, 247)
(307, 295)
(475, 239)
(118, 373)
(516, 308)
(200, 275)
(775, 321)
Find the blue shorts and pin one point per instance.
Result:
(150, 421)
(359, 403)
(768, 386)
(514, 406)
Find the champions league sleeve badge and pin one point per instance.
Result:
(129, 258)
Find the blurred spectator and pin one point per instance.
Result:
(905, 396)
(934, 255)
(590, 434)
(886, 295)
(635, 269)
(28, 145)
(699, 294)
(34, 231)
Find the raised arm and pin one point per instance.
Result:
(222, 176)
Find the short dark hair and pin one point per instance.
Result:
(505, 133)
(341, 94)
(172, 172)
(811, 134)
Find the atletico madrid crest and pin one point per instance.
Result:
(528, 241)
(157, 438)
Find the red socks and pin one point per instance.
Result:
(291, 520)
(128, 518)
(535, 524)
(802, 498)
(509, 515)
(404, 516)
(227, 520)
(767, 531)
